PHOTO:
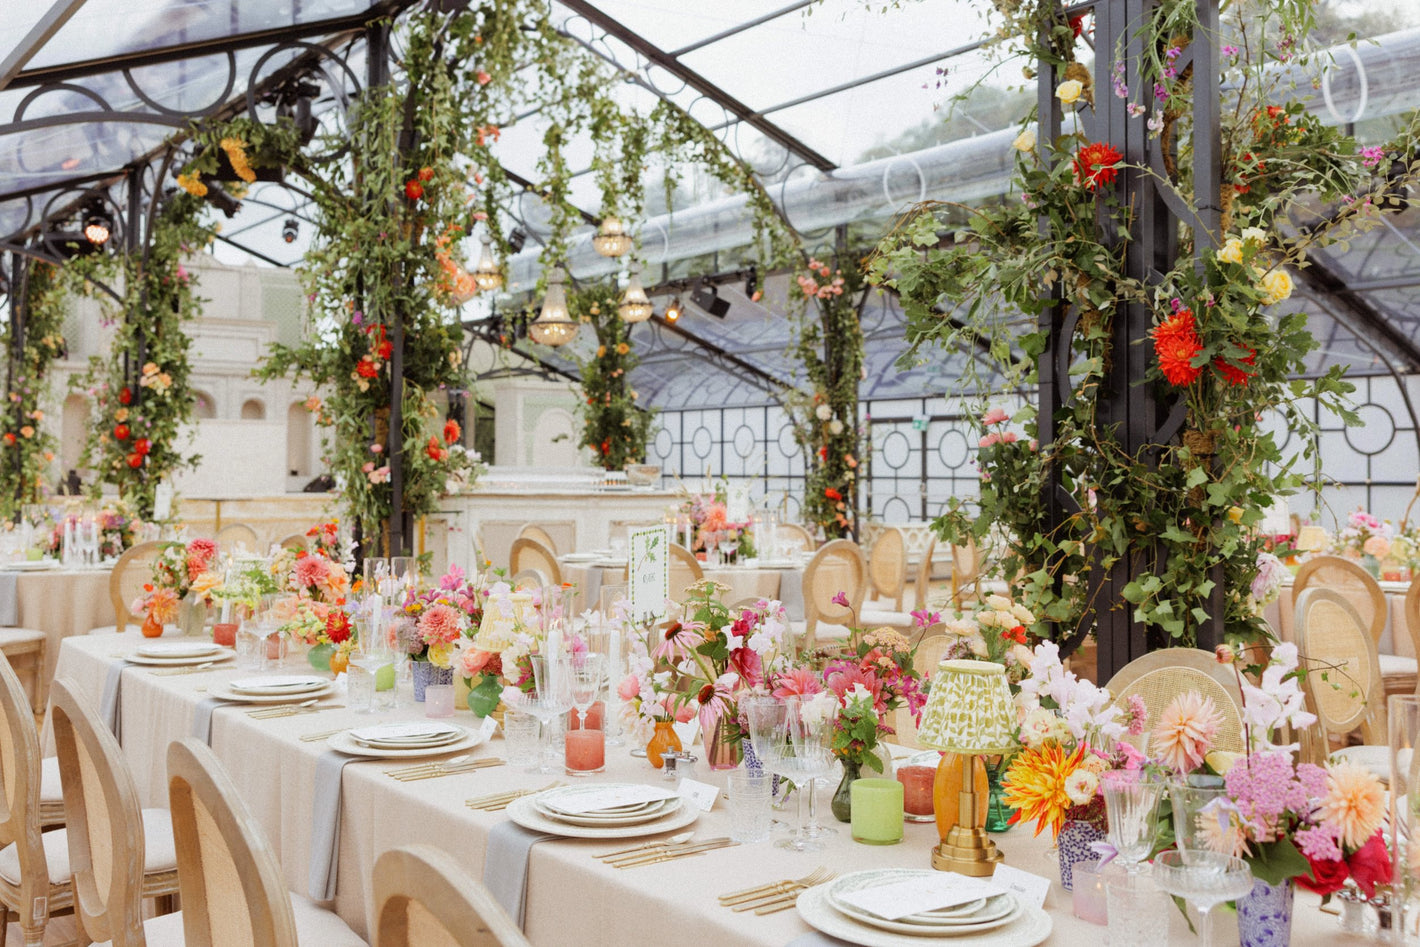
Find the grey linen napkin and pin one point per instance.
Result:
(325, 824)
(505, 865)
(202, 718)
(791, 593)
(817, 939)
(109, 708)
(9, 598)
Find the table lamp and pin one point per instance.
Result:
(969, 712)
(1311, 539)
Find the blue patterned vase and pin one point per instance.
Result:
(1265, 915)
(426, 674)
(1073, 847)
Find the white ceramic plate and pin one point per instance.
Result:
(37, 565)
(223, 692)
(277, 684)
(524, 812)
(177, 649)
(581, 557)
(418, 732)
(218, 656)
(663, 808)
(1001, 911)
(345, 743)
(1028, 927)
(610, 563)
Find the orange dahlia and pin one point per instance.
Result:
(1176, 344)
(1235, 373)
(1095, 165)
(1035, 784)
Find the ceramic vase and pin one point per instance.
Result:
(1073, 847)
(426, 673)
(1265, 915)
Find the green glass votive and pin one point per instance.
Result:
(877, 811)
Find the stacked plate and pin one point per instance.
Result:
(273, 689)
(838, 910)
(393, 741)
(601, 806)
(179, 653)
(581, 557)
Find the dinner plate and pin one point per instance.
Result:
(177, 649)
(524, 812)
(1026, 928)
(573, 799)
(277, 684)
(221, 654)
(662, 808)
(223, 692)
(611, 812)
(31, 565)
(611, 563)
(979, 911)
(1002, 910)
(388, 737)
(345, 743)
(581, 557)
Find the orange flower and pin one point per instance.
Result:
(1095, 165)
(451, 431)
(1036, 785)
(1176, 344)
(1234, 373)
(1354, 803)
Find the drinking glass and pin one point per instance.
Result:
(371, 655)
(586, 674)
(799, 751)
(552, 677)
(761, 715)
(404, 574)
(1131, 800)
(750, 797)
(1190, 799)
(520, 731)
(728, 548)
(376, 573)
(1404, 722)
(1205, 879)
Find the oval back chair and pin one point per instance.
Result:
(1160, 676)
(531, 554)
(887, 566)
(838, 566)
(424, 898)
(1345, 688)
(125, 584)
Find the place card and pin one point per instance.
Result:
(701, 795)
(612, 797)
(490, 726)
(921, 893)
(1030, 889)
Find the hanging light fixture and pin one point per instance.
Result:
(674, 310)
(486, 275)
(98, 224)
(611, 238)
(553, 325)
(635, 305)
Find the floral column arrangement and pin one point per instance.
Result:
(614, 427)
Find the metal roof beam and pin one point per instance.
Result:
(1321, 276)
(697, 82)
(740, 28)
(42, 32)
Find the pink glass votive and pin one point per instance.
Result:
(225, 634)
(593, 718)
(917, 792)
(1088, 899)
(586, 752)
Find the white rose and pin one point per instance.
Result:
(824, 412)
(1025, 141)
(835, 427)
(1255, 234)
(1069, 91)
(1232, 251)
(1081, 786)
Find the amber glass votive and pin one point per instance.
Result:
(917, 792)
(586, 752)
(877, 811)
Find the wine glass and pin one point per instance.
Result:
(1205, 879)
(587, 673)
(373, 653)
(404, 573)
(376, 572)
(552, 678)
(1193, 800)
(1131, 799)
(799, 751)
(728, 547)
(761, 714)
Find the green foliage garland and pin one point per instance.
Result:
(612, 425)
(26, 444)
(1218, 347)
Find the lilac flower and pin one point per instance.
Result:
(1161, 93)
(1317, 843)
(924, 618)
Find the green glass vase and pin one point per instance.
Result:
(998, 814)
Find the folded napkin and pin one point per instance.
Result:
(505, 865)
(202, 719)
(325, 824)
(817, 939)
(109, 708)
(9, 598)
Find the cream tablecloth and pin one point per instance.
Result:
(1394, 640)
(61, 603)
(744, 582)
(573, 899)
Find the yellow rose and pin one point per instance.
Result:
(1277, 285)
(1232, 251)
(1069, 91)
(1235, 514)
(442, 655)
(1025, 141)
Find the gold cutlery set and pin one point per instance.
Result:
(652, 853)
(498, 801)
(435, 770)
(288, 710)
(775, 896)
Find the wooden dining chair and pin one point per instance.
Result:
(233, 892)
(966, 572)
(125, 584)
(295, 542)
(1160, 676)
(424, 898)
(1410, 612)
(887, 569)
(24, 649)
(119, 853)
(34, 865)
(796, 537)
(685, 570)
(1343, 682)
(838, 566)
(1398, 673)
(237, 535)
(531, 554)
(539, 535)
(924, 661)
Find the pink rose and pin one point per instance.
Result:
(474, 661)
(995, 416)
(629, 687)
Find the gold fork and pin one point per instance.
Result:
(784, 901)
(761, 891)
(435, 770)
(321, 735)
(497, 801)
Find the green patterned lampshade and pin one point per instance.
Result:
(969, 709)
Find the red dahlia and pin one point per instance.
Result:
(1235, 373)
(1095, 165)
(1176, 344)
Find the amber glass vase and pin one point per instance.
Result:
(664, 740)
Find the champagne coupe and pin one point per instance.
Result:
(1205, 879)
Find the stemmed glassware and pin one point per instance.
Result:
(1131, 799)
(373, 654)
(587, 673)
(799, 750)
(728, 548)
(1195, 871)
(552, 678)
(763, 714)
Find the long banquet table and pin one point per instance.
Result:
(60, 603)
(572, 898)
(785, 583)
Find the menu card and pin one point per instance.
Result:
(401, 731)
(612, 797)
(648, 572)
(920, 893)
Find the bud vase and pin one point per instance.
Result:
(1073, 847)
(192, 615)
(998, 814)
(426, 673)
(1265, 915)
(664, 740)
(842, 802)
(721, 753)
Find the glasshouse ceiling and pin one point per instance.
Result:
(842, 108)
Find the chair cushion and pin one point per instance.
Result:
(873, 618)
(1374, 758)
(316, 925)
(49, 788)
(165, 930)
(10, 637)
(160, 852)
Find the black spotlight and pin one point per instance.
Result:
(708, 299)
(516, 239)
(751, 278)
(98, 223)
(289, 230)
(674, 310)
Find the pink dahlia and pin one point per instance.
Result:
(441, 624)
(797, 682)
(310, 571)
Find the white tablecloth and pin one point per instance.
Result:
(572, 898)
(1394, 640)
(61, 603)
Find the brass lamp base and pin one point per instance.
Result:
(967, 851)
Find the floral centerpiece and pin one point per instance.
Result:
(311, 590)
(175, 571)
(118, 528)
(1366, 539)
(431, 625)
(711, 525)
